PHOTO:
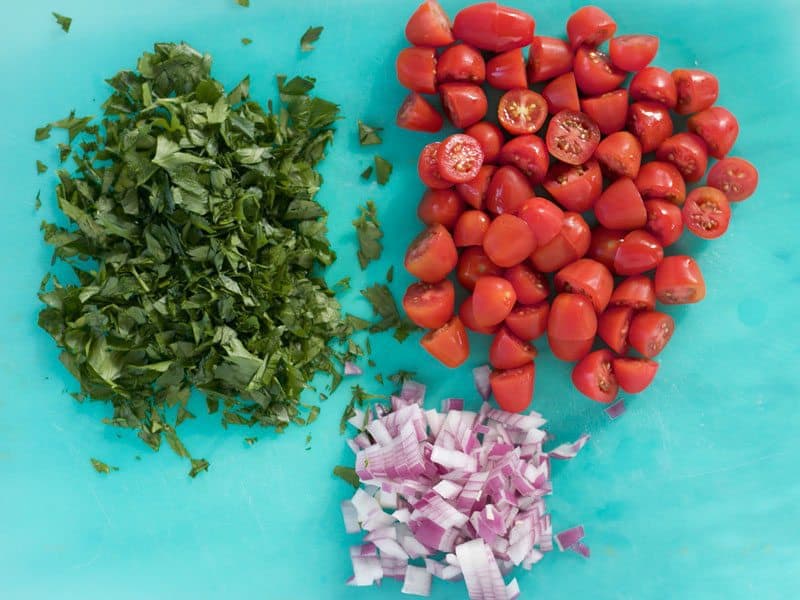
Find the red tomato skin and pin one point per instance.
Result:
(531, 287)
(650, 123)
(577, 233)
(507, 70)
(510, 352)
(656, 85)
(490, 137)
(589, 278)
(562, 94)
(417, 114)
(634, 374)
(508, 241)
(718, 128)
(432, 255)
(664, 221)
(461, 63)
(513, 389)
(459, 158)
(678, 280)
(661, 181)
(613, 327)
(594, 73)
(689, 154)
(471, 228)
(604, 244)
(449, 344)
(440, 206)
(467, 315)
(429, 26)
(577, 187)
(620, 154)
(590, 26)
(572, 137)
(707, 212)
(507, 190)
(548, 58)
(430, 305)
(528, 322)
(735, 177)
(511, 106)
(492, 27)
(609, 110)
(621, 206)
(474, 192)
(632, 52)
(529, 154)
(464, 103)
(571, 326)
(638, 253)
(571, 243)
(697, 90)
(650, 331)
(636, 292)
(492, 300)
(416, 69)
(428, 167)
(594, 377)
(474, 264)
(543, 217)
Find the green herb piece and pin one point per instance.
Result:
(402, 376)
(42, 133)
(366, 173)
(368, 346)
(309, 37)
(379, 378)
(383, 169)
(368, 230)
(250, 441)
(369, 135)
(40, 167)
(36, 206)
(64, 22)
(246, 41)
(384, 306)
(347, 474)
(390, 274)
(343, 284)
(244, 3)
(102, 467)
(371, 363)
(74, 125)
(198, 466)
(64, 150)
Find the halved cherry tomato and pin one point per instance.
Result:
(529, 154)
(508, 189)
(429, 26)
(707, 212)
(513, 389)
(528, 321)
(416, 69)
(604, 244)
(459, 158)
(467, 315)
(697, 90)
(636, 292)
(492, 300)
(428, 167)
(593, 376)
(464, 103)
(548, 57)
(571, 243)
(562, 94)
(664, 221)
(639, 252)
(492, 27)
(432, 255)
(594, 72)
(679, 281)
(735, 177)
(531, 287)
(650, 332)
(508, 241)
(613, 326)
(474, 264)
(589, 278)
(620, 206)
(689, 154)
(590, 26)
(522, 111)
(473, 192)
(650, 123)
(430, 305)
(576, 187)
(661, 181)
(489, 136)
(417, 114)
(572, 137)
(509, 352)
(620, 154)
(471, 228)
(506, 71)
(440, 206)
(609, 110)
(461, 63)
(634, 374)
(654, 84)
(718, 128)
(633, 52)
(571, 326)
(449, 344)
(543, 217)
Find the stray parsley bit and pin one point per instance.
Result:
(102, 467)
(343, 284)
(347, 474)
(402, 376)
(244, 3)
(36, 206)
(250, 441)
(368, 230)
(74, 125)
(379, 378)
(198, 466)
(64, 150)
(371, 363)
(64, 22)
(366, 173)
(42, 133)
(383, 170)
(309, 37)
(40, 167)
(390, 274)
(246, 41)
(384, 306)
(368, 135)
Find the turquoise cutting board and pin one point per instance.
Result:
(693, 493)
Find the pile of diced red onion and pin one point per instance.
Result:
(459, 492)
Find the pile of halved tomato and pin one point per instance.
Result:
(509, 203)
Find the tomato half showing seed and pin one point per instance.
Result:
(613, 327)
(594, 72)
(416, 69)
(529, 154)
(664, 221)
(489, 136)
(459, 158)
(474, 192)
(528, 322)
(575, 187)
(634, 374)
(633, 52)
(620, 154)
(718, 128)
(521, 111)
(590, 26)
(697, 90)
(679, 281)
(621, 206)
(650, 123)
(430, 305)
(492, 27)
(661, 181)
(548, 58)
(471, 228)
(508, 241)
(467, 315)
(449, 344)
(509, 352)
(588, 278)
(432, 255)
(654, 84)
(562, 94)
(734, 177)
(461, 63)
(571, 326)
(417, 114)
(428, 167)
(474, 264)
(689, 154)
(508, 189)
(429, 26)
(531, 287)
(707, 212)
(440, 206)
(604, 244)
(513, 389)
(609, 110)
(464, 103)
(650, 331)
(492, 300)
(638, 253)
(593, 376)
(506, 71)
(543, 217)
(637, 292)
(571, 243)
(572, 137)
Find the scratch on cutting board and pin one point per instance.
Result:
(88, 563)
(746, 463)
(253, 508)
(102, 507)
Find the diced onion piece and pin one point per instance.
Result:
(567, 451)
(351, 368)
(480, 376)
(417, 581)
(616, 409)
(568, 537)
